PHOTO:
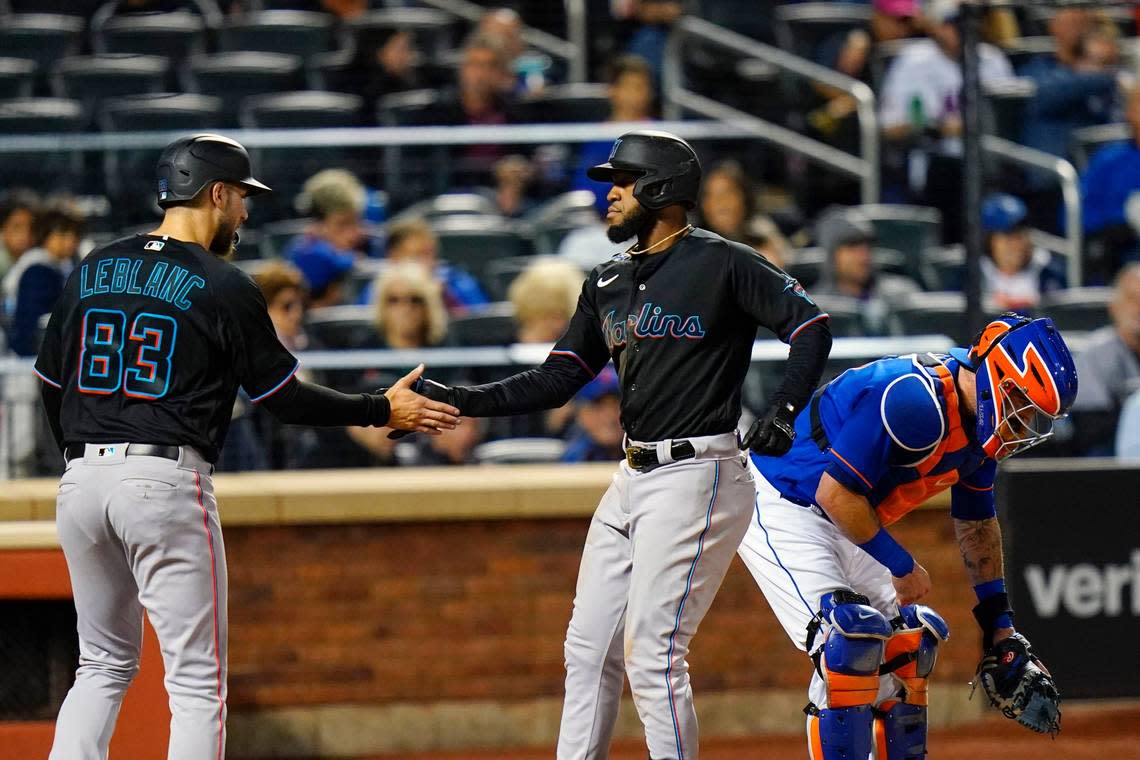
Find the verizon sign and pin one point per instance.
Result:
(1073, 566)
(1085, 590)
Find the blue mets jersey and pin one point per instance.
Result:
(893, 431)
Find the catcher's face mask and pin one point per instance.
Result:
(1022, 424)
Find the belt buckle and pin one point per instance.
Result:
(635, 457)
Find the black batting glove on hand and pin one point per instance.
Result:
(772, 434)
(429, 389)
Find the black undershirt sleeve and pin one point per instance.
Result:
(805, 364)
(52, 398)
(301, 403)
(548, 386)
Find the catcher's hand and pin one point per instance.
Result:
(1018, 684)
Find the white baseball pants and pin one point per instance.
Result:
(142, 533)
(657, 550)
(796, 556)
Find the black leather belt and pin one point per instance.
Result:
(644, 458)
(78, 450)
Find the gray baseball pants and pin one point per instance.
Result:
(656, 553)
(141, 533)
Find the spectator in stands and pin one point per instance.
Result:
(513, 177)
(18, 209)
(895, 20)
(452, 447)
(283, 286)
(1128, 429)
(727, 201)
(847, 237)
(483, 97)
(764, 235)
(334, 199)
(633, 97)
(922, 89)
(588, 245)
(1015, 273)
(36, 280)
(409, 308)
(653, 19)
(1109, 368)
(545, 296)
(1110, 183)
(596, 435)
(505, 25)
(414, 241)
(1076, 86)
(384, 63)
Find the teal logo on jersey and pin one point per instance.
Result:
(650, 322)
(792, 284)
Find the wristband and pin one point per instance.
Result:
(984, 591)
(889, 553)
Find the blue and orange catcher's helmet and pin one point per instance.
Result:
(1026, 380)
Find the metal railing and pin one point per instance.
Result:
(571, 50)
(864, 167)
(1072, 244)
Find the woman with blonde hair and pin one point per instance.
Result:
(545, 296)
(409, 307)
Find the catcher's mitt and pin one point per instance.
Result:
(1018, 684)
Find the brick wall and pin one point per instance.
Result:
(474, 610)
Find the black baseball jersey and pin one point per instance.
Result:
(679, 326)
(150, 341)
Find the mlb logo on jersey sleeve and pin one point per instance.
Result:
(154, 245)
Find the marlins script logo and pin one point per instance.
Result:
(650, 322)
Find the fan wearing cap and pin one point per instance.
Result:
(1015, 273)
(874, 444)
(677, 313)
(140, 365)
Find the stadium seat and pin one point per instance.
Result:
(573, 204)
(130, 173)
(520, 451)
(300, 110)
(547, 238)
(342, 327)
(174, 35)
(448, 204)
(1077, 309)
(413, 172)
(935, 314)
(801, 29)
(1086, 141)
(17, 77)
(91, 79)
(294, 32)
(907, 229)
(845, 315)
(491, 325)
(566, 103)
(944, 268)
(40, 37)
(471, 242)
(275, 236)
(807, 265)
(752, 18)
(54, 170)
(236, 76)
(1005, 106)
(331, 71)
(434, 31)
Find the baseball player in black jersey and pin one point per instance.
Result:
(141, 363)
(678, 314)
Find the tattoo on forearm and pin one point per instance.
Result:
(979, 541)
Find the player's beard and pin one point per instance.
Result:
(224, 243)
(633, 223)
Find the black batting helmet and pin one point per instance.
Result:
(190, 163)
(666, 166)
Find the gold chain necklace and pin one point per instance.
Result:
(633, 248)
